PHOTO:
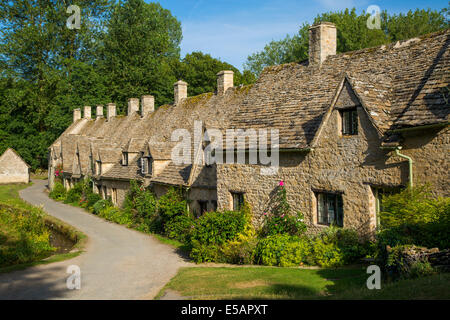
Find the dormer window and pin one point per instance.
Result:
(124, 158)
(146, 165)
(349, 122)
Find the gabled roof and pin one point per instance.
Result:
(398, 85)
(14, 152)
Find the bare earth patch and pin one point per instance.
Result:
(249, 284)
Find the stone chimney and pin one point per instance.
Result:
(99, 112)
(322, 42)
(87, 112)
(76, 114)
(133, 106)
(224, 81)
(110, 111)
(180, 91)
(147, 105)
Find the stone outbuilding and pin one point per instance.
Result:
(13, 169)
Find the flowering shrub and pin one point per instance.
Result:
(280, 221)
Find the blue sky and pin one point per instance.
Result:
(233, 29)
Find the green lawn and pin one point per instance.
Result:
(293, 283)
(9, 193)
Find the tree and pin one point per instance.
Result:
(142, 42)
(200, 70)
(39, 58)
(352, 34)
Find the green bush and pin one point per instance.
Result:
(327, 255)
(179, 227)
(101, 205)
(283, 250)
(212, 230)
(171, 204)
(141, 200)
(74, 194)
(27, 237)
(239, 251)
(414, 216)
(92, 199)
(58, 192)
(116, 215)
(350, 244)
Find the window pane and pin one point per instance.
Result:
(354, 122)
(345, 122)
(321, 208)
(331, 202)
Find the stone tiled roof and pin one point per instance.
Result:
(399, 85)
(174, 175)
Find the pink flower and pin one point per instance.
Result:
(281, 183)
(265, 213)
(282, 215)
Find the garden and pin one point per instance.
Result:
(412, 241)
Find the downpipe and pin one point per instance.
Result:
(410, 163)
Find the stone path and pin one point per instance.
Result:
(119, 263)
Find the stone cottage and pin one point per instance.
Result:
(13, 169)
(352, 127)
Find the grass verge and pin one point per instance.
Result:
(9, 196)
(294, 283)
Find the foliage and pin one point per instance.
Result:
(24, 237)
(141, 200)
(327, 254)
(74, 194)
(179, 227)
(200, 71)
(212, 230)
(414, 216)
(116, 215)
(283, 250)
(280, 221)
(171, 204)
(58, 192)
(101, 205)
(352, 34)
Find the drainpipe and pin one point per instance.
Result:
(410, 162)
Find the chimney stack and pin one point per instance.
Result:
(180, 91)
(322, 42)
(110, 111)
(224, 81)
(76, 114)
(133, 106)
(147, 105)
(99, 112)
(87, 112)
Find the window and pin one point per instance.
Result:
(124, 158)
(330, 209)
(238, 200)
(349, 122)
(146, 165)
(203, 205)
